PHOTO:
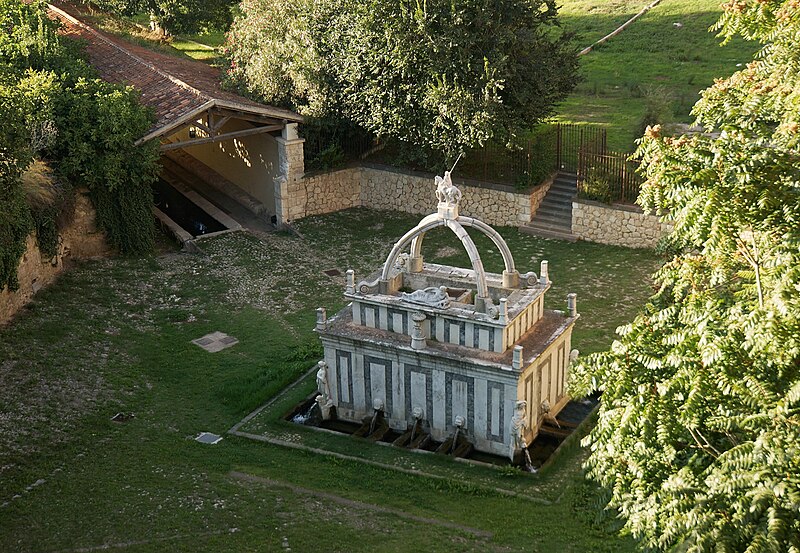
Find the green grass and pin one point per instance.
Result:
(651, 52)
(203, 47)
(114, 336)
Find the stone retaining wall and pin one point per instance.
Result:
(328, 192)
(384, 188)
(79, 240)
(618, 225)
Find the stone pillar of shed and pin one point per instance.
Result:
(289, 199)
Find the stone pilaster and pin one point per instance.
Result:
(289, 191)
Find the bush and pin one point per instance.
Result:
(596, 186)
(55, 109)
(658, 107)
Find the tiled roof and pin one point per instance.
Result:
(175, 88)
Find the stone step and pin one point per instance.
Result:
(562, 192)
(558, 203)
(561, 214)
(565, 182)
(559, 221)
(546, 231)
(562, 208)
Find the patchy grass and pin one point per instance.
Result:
(114, 336)
(653, 51)
(204, 47)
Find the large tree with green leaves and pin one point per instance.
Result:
(698, 436)
(442, 74)
(175, 16)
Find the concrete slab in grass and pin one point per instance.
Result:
(216, 341)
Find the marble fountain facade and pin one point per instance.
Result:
(454, 353)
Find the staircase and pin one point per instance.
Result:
(553, 219)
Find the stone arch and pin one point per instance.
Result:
(493, 235)
(428, 223)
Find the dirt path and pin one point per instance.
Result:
(358, 504)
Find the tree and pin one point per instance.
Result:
(437, 73)
(56, 110)
(175, 16)
(698, 437)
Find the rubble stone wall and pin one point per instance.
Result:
(79, 240)
(384, 188)
(326, 192)
(618, 225)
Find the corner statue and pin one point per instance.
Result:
(518, 427)
(324, 398)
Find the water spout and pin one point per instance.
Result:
(377, 407)
(528, 465)
(459, 424)
(455, 441)
(373, 422)
(303, 418)
(417, 412)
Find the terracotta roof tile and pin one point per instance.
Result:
(173, 87)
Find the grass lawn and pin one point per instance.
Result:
(202, 46)
(114, 336)
(653, 52)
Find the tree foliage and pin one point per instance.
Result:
(698, 439)
(56, 109)
(176, 16)
(447, 75)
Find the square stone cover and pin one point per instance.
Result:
(208, 438)
(216, 341)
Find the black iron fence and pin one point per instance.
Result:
(573, 139)
(523, 165)
(602, 175)
(608, 176)
(326, 149)
(550, 148)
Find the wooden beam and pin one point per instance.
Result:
(276, 114)
(220, 137)
(219, 123)
(173, 126)
(202, 126)
(244, 116)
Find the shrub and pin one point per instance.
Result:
(658, 107)
(596, 186)
(446, 75)
(56, 109)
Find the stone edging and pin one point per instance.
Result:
(619, 207)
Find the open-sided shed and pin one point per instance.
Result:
(253, 146)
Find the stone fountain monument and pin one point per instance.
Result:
(460, 352)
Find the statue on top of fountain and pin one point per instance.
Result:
(448, 195)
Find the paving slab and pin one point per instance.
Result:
(216, 341)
